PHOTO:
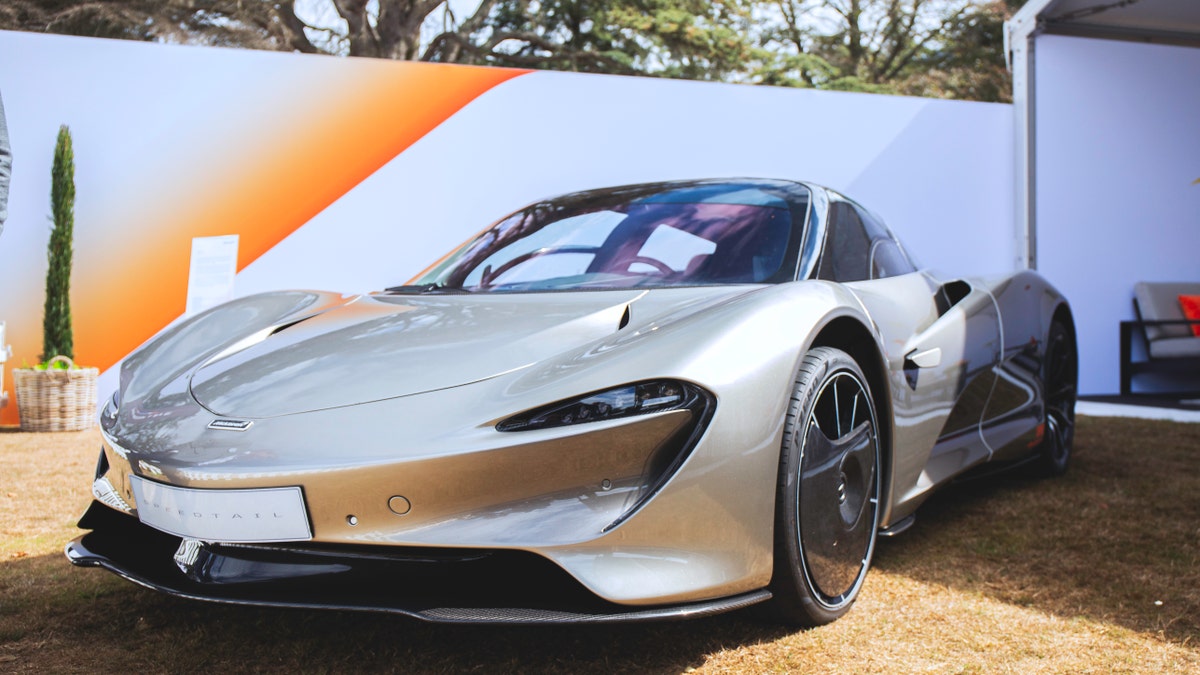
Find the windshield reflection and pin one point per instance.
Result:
(663, 235)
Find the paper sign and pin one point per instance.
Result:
(213, 268)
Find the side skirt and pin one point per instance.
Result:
(899, 526)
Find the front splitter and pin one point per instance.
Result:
(444, 586)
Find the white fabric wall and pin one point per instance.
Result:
(939, 173)
(1118, 146)
(154, 124)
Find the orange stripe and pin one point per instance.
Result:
(133, 284)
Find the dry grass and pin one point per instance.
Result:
(1098, 572)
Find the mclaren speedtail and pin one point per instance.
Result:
(634, 403)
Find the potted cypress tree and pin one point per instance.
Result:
(56, 395)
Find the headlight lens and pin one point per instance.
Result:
(625, 401)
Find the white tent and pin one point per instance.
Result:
(1106, 99)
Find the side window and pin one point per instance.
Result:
(887, 258)
(847, 254)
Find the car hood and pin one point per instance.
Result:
(385, 346)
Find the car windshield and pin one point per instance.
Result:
(674, 234)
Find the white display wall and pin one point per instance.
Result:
(354, 174)
(1118, 149)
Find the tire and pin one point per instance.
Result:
(1060, 375)
(828, 492)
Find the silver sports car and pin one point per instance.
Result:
(634, 403)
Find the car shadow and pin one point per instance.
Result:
(71, 619)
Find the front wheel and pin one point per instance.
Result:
(828, 491)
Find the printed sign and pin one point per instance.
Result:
(211, 275)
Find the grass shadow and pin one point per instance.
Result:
(1114, 540)
(51, 608)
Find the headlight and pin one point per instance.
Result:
(625, 401)
(638, 398)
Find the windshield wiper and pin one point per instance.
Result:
(422, 289)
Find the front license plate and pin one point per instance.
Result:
(267, 514)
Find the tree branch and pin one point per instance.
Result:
(294, 25)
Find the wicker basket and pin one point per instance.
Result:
(56, 400)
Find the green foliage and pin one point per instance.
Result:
(693, 39)
(56, 320)
(968, 61)
(57, 365)
(933, 48)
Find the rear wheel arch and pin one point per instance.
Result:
(1062, 314)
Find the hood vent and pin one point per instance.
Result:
(282, 327)
(624, 318)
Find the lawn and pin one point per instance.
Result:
(1095, 572)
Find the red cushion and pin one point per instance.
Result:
(1191, 310)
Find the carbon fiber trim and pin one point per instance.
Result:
(537, 616)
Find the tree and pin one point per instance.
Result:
(390, 29)
(694, 39)
(947, 48)
(700, 39)
(942, 48)
(391, 32)
(969, 61)
(223, 23)
(56, 320)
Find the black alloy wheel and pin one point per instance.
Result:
(828, 493)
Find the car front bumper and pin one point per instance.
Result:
(431, 584)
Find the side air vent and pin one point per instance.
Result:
(950, 294)
(624, 318)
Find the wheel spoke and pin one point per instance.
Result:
(837, 409)
(838, 489)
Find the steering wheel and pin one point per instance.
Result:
(490, 275)
(659, 265)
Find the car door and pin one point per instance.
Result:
(941, 342)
